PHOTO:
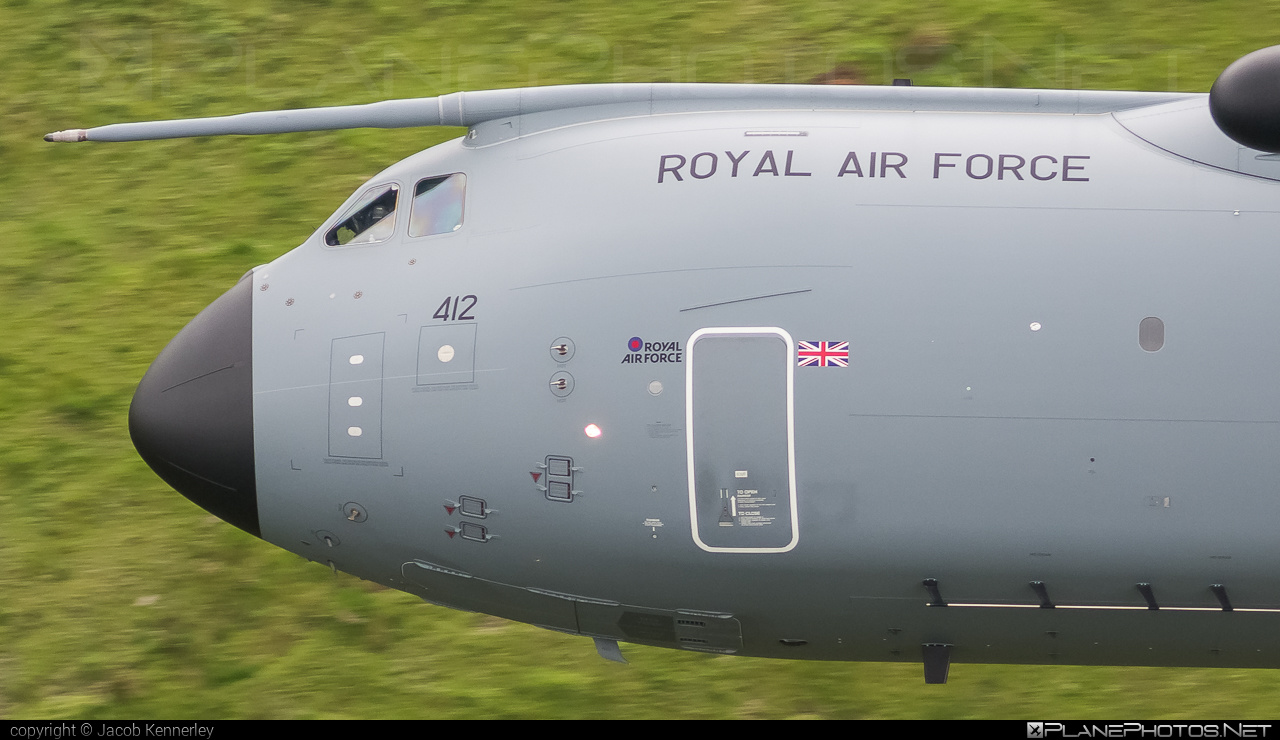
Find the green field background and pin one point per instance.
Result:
(120, 599)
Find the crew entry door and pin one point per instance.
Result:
(739, 417)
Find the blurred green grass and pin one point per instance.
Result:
(118, 598)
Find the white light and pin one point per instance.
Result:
(655, 387)
(354, 431)
(1035, 326)
(445, 353)
(355, 401)
(356, 359)
(592, 431)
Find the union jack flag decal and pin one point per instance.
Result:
(823, 354)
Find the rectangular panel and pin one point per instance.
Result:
(447, 354)
(509, 602)
(739, 416)
(711, 633)
(355, 396)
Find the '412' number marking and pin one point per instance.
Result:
(456, 308)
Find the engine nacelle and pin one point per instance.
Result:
(1245, 100)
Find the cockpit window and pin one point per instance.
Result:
(372, 219)
(437, 205)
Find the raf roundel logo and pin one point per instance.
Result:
(640, 352)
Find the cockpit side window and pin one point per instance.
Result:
(438, 205)
(371, 219)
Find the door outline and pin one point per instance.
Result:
(790, 360)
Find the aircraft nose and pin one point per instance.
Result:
(191, 418)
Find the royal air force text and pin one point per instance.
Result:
(655, 352)
(880, 165)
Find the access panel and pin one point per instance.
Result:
(447, 354)
(355, 396)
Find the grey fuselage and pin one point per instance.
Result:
(999, 422)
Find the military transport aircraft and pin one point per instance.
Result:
(838, 373)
